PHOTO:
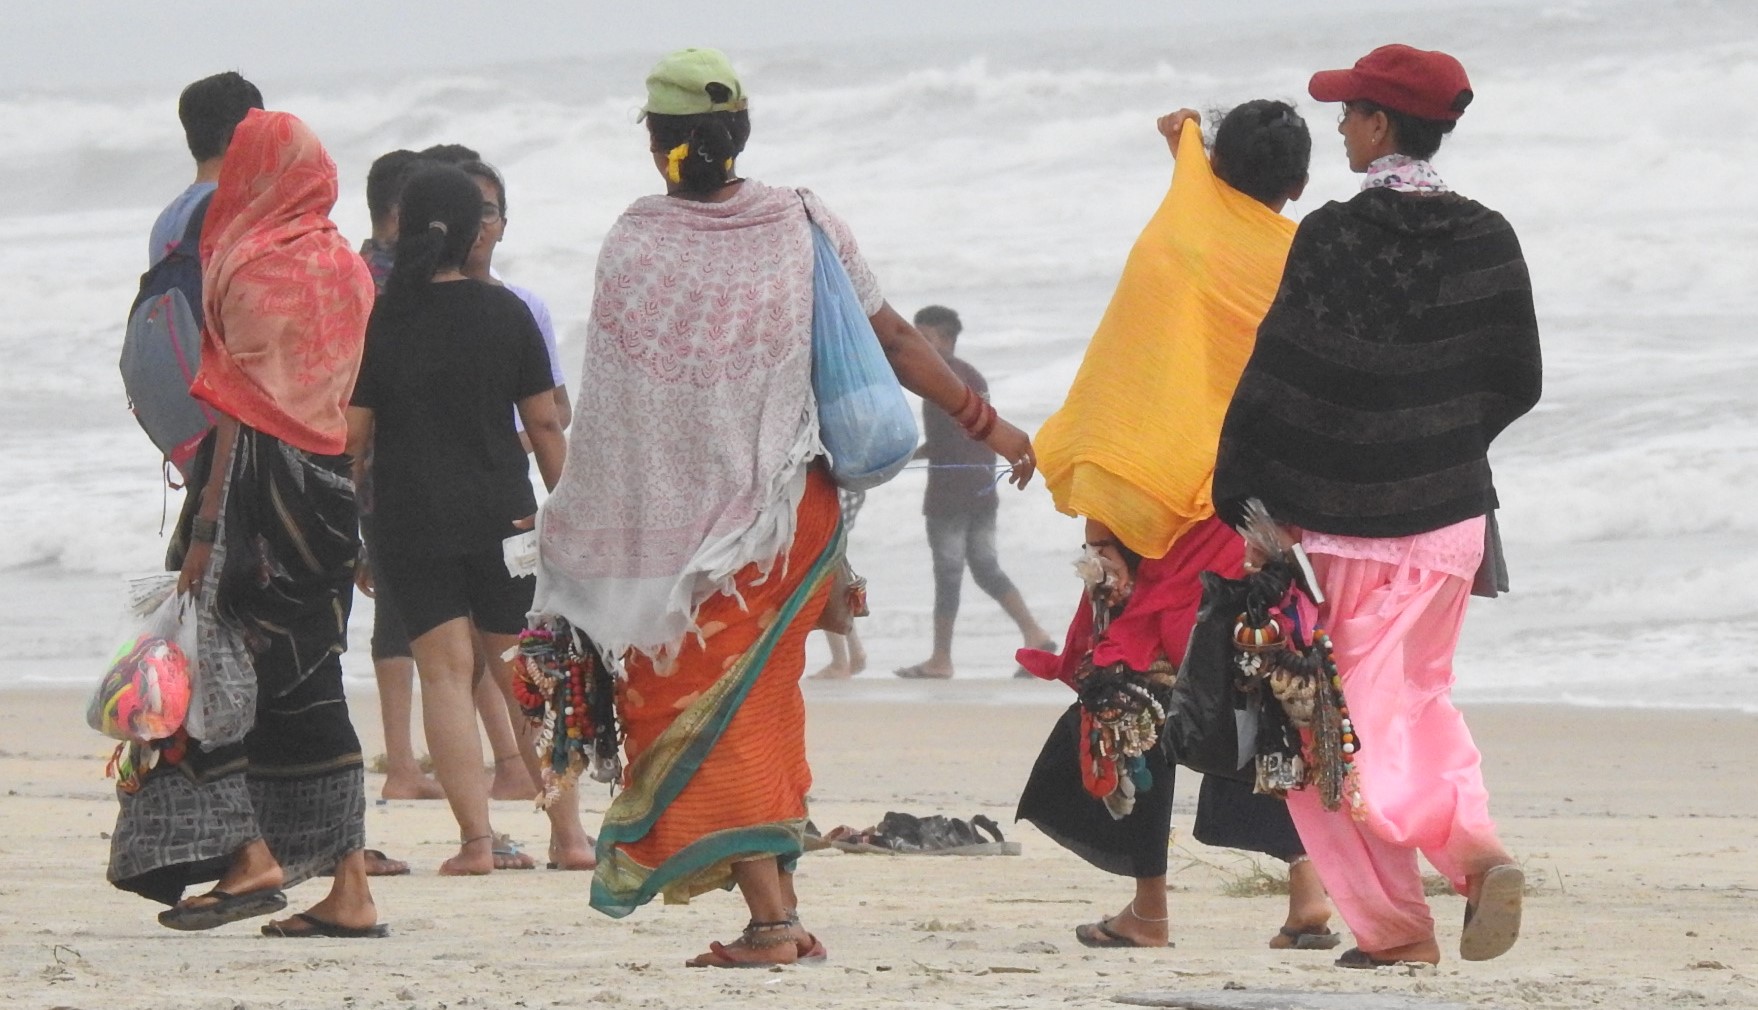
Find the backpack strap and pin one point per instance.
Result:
(190, 243)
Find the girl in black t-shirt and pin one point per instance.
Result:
(447, 361)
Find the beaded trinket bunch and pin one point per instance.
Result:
(1303, 679)
(566, 688)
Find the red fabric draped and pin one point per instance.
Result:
(286, 298)
(1161, 608)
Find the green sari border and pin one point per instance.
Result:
(619, 884)
(702, 866)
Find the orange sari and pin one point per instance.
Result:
(716, 733)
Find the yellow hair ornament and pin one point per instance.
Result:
(674, 159)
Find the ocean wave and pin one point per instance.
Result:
(1010, 180)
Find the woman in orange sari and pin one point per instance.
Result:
(694, 532)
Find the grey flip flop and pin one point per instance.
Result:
(224, 909)
(1310, 941)
(1492, 922)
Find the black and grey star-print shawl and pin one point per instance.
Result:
(1401, 342)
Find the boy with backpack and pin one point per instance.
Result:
(161, 347)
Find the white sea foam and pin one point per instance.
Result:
(1009, 180)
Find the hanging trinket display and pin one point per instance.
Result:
(1122, 710)
(1307, 738)
(566, 687)
(1121, 714)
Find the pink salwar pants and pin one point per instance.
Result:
(1394, 629)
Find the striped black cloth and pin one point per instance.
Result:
(1401, 342)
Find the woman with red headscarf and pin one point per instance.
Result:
(264, 787)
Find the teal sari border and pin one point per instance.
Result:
(756, 840)
(781, 840)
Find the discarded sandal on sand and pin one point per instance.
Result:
(1492, 922)
(935, 835)
(225, 908)
(304, 925)
(1300, 939)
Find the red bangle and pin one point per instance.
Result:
(969, 409)
(985, 423)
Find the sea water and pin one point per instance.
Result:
(1007, 178)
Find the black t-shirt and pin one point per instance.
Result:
(968, 485)
(441, 374)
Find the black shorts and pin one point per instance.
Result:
(389, 639)
(428, 590)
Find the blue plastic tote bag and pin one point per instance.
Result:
(863, 419)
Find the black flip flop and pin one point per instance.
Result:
(318, 928)
(1100, 934)
(224, 909)
(1355, 957)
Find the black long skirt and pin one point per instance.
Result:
(272, 618)
(1228, 814)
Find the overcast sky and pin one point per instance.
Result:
(61, 44)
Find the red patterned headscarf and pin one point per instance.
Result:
(286, 299)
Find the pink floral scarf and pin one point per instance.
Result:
(1403, 174)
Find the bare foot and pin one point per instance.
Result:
(412, 786)
(511, 781)
(857, 656)
(253, 868)
(779, 947)
(580, 856)
(833, 671)
(1127, 925)
(477, 858)
(348, 914)
(1309, 911)
(1426, 951)
(931, 670)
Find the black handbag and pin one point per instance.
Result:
(1212, 725)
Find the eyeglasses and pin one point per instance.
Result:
(491, 212)
(1350, 108)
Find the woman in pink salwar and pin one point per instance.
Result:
(1401, 342)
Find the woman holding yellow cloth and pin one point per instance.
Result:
(1133, 452)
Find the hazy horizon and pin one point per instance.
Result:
(83, 44)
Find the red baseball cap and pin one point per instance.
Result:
(1417, 82)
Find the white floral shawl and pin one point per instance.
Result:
(695, 418)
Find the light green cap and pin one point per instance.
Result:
(678, 85)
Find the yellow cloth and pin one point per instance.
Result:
(1134, 444)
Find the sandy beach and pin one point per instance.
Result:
(1636, 829)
